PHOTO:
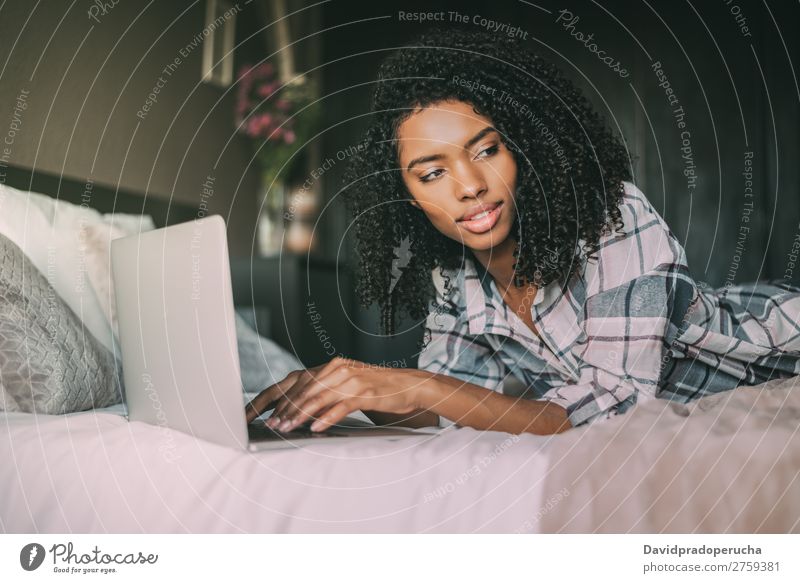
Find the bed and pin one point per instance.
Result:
(727, 463)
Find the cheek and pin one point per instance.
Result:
(505, 172)
(430, 201)
(437, 215)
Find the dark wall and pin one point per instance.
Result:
(739, 94)
(84, 84)
(729, 65)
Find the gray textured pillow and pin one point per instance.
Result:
(48, 362)
(261, 360)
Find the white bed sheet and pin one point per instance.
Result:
(726, 463)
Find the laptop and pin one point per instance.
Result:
(177, 338)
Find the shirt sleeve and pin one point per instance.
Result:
(454, 352)
(629, 328)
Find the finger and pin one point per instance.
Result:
(284, 406)
(266, 398)
(312, 418)
(309, 385)
(311, 407)
(320, 394)
(336, 413)
(333, 380)
(324, 410)
(300, 376)
(260, 403)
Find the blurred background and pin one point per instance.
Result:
(251, 110)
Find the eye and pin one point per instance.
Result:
(431, 176)
(490, 151)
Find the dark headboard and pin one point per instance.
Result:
(104, 199)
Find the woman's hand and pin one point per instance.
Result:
(267, 398)
(334, 390)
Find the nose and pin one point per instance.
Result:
(469, 181)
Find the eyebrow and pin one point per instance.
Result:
(470, 142)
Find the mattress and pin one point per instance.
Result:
(726, 463)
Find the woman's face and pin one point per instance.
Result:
(456, 167)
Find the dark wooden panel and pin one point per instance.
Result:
(309, 301)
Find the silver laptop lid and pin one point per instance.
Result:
(177, 330)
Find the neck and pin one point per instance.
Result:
(499, 263)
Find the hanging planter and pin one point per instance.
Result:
(279, 118)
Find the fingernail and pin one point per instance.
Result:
(316, 425)
(285, 425)
(273, 421)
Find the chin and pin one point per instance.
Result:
(488, 240)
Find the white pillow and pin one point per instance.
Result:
(71, 245)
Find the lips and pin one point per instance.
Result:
(479, 209)
(482, 219)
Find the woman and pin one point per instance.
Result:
(547, 265)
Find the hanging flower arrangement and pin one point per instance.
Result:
(279, 117)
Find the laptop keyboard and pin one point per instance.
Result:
(259, 431)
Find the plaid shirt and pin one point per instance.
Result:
(631, 324)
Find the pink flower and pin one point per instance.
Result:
(264, 91)
(263, 106)
(252, 127)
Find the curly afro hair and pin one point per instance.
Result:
(570, 168)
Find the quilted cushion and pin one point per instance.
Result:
(69, 243)
(48, 362)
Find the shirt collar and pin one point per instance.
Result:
(482, 296)
(556, 319)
